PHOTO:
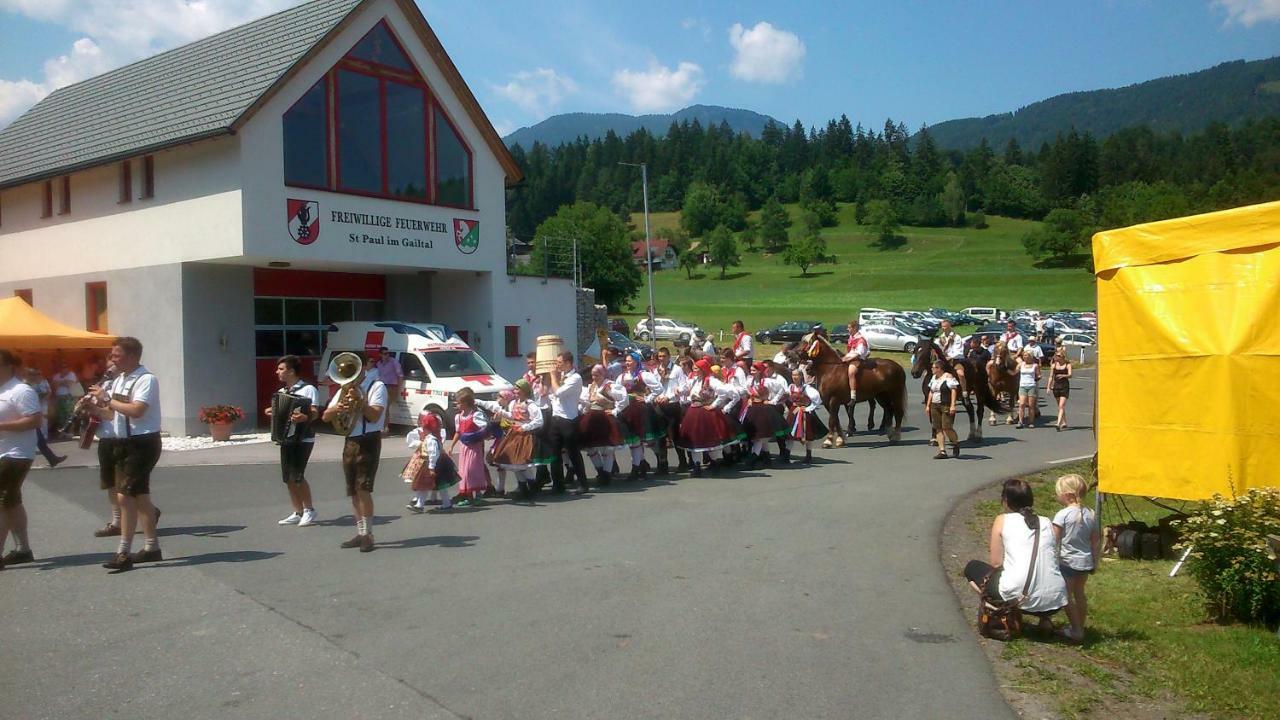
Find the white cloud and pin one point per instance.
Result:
(116, 33)
(699, 24)
(765, 54)
(1250, 12)
(537, 92)
(659, 87)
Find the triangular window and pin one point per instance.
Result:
(379, 47)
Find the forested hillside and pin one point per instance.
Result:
(568, 127)
(1228, 93)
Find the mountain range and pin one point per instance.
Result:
(559, 129)
(1228, 93)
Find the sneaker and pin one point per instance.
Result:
(147, 556)
(293, 519)
(120, 563)
(352, 543)
(108, 531)
(308, 518)
(18, 557)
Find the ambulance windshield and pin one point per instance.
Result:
(457, 363)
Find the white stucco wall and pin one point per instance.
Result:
(539, 309)
(217, 342)
(195, 215)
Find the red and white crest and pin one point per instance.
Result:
(304, 221)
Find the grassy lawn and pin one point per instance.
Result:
(939, 267)
(1148, 640)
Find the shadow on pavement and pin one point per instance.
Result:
(445, 541)
(199, 530)
(349, 521)
(232, 556)
(70, 561)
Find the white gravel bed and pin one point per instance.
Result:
(204, 442)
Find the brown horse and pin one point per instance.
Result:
(882, 380)
(1002, 376)
(974, 386)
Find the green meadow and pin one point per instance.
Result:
(928, 267)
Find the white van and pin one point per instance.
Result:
(870, 315)
(435, 361)
(985, 314)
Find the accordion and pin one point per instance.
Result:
(283, 428)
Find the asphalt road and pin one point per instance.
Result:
(794, 593)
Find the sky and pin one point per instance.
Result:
(813, 60)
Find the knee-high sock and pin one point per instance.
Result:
(610, 462)
(420, 497)
(596, 460)
(757, 446)
(502, 480)
(637, 456)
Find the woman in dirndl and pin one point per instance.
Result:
(520, 444)
(704, 429)
(599, 431)
(806, 426)
(762, 420)
(640, 421)
(472, 427)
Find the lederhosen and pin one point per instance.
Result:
(361, 452)
(296, 449)
(135, 456)
(938, 415)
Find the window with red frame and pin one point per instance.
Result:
(512, 340)
(25, 294)
(371, 126)
(95, 307)
(148, 177)
(46, 199)
(126, 181)
(64, 197)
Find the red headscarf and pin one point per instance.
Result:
(703, 366)
(429, 423)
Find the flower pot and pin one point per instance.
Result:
(221, 432)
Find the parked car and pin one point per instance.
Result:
(888, 337)
(666, 329)
(985, 314)
(626, 344)
(619, 325)
(925, 320)
(790, 331)
(1075, 339)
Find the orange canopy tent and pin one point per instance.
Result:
(22, 327)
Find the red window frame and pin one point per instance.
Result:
(330, 157)
(64, 196)
(46, 200)
(126, 182)
(148, 177)
(385, 73)
(511, 337)
(25, 294)
(91, 309)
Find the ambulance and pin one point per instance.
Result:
(436, 363)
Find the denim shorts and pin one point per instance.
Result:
(1026, 392)
(1070, 572)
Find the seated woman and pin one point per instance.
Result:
(1013, 535)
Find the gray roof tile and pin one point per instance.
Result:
(182, 94)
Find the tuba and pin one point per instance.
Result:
(346, 369)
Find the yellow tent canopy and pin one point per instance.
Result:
(1189, 354)
(22, 327)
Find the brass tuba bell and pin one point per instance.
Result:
(346, 369)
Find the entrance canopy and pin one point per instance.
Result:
(22, 327)
(1189, 354)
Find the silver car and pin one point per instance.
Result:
(666, 329)
(887, 337)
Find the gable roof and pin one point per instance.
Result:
(200, 90)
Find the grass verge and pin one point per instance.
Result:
(1149, 651)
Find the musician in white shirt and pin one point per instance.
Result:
(132, 405)
(361, 451)
(19, 417)
(565, 393)
(295, 450)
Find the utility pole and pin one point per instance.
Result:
(648, 248)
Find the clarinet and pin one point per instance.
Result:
(85, 411)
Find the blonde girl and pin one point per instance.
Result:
(1076, 534)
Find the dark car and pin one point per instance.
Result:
(790, 331)
(626, 344)
(619, 325)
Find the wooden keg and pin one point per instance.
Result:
(548, 349)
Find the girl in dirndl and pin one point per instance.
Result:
(806, 426)
(762, 419)
(520, 444)
(639, 420)
(599, 431)
(430, 470)
(735, 377)
(704, 429)
(472, 427)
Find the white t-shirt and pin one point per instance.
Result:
(18, 400)
(67, 377)
(138, 386)
(937, 384)
(564, 400)
(375, 393)
(1078, 526)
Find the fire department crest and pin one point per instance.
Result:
(304, 221)
(466, 235)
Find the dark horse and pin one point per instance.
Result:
(974, 386)
(881, 380)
